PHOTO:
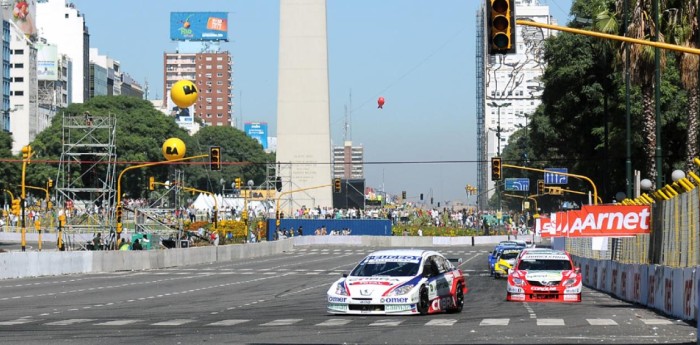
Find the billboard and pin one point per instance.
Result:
(257, 131)
(199, 26)
(23, 14)
(597, 221)
(46, 62)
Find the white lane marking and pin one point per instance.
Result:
(550, 322)
(118, 322)
(16, 322)
(281, 322)
(441, 322)
(529, 310)
(68, 322)
(650, 322)
(334, 322)
(227, 322)
(175, 322)
(601, 322)
(386, 323)
(494, 322)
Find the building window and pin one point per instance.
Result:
(66, 15)
(208, 66)
(219, 107)
(219, 66)
(219, 82)
(219, 58)
(19, 52)
(19, 79)
(19, 93)
(220, 116)
(219, 75)
(208, 58)
(19, 65)
(219, 99)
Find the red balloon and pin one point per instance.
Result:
(380, 103)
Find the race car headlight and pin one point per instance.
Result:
(518, 281)
(340, 289)
(570, 282)
(402, 290)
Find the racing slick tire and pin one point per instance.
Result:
(459, 300)
(423, 301)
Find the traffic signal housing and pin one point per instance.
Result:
(15, 207)
(337, 185)
(151, 183)
(496, 169)
(403, 195)
(49, 183)
(237, 182)
(540, 187)
(501, 26)
(215, 158)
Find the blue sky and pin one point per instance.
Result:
(417, 54)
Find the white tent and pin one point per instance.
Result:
(206, 202)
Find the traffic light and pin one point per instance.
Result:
(15, 207)
(49, 184)
(26, 152)
(337, 185)
(495, 168)
(540, 187)
(118, 213)
(403, 195)
(421, 196)
(501, 26)
(237, 182)
(215, 158)
(151, 183)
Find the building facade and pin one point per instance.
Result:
(5, 76)
(348, 161)
(60, 23)
(509, 88)
(24, 112)
(212, 71)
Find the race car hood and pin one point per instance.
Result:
(544, 275)
(373, 286)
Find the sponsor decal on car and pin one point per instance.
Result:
(571, 297)
(338, 307)
(393, 258)
(544, 288)
(333, 299)
(394, 300)
(517, 297)
(544, 276)
(399, 307)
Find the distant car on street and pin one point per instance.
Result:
(544, 275)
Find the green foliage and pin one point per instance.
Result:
(140, 132)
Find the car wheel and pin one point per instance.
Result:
(423, 301)
(459, 300)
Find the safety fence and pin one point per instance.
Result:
(674, 240)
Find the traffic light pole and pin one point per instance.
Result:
(119, 188)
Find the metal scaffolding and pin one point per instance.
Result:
(85, 185)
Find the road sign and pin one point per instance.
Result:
(518, 184)
(550, 178)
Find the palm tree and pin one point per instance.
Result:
(681, 28)
(642, 71)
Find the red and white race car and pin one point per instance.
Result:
(399, 282)
(544, 276)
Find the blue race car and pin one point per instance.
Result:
(498, 249)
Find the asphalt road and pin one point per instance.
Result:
(281, 299)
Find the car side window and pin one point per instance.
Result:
(441, 264)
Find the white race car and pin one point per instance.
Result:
(399, 282)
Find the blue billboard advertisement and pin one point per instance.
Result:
(199, 26)
(257, 131)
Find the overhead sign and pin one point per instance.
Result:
(596, 221)
(518, 184)
(199, 26)
(550, 178)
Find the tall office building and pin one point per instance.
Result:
(303, 107)
(5, 104)
(24, 111)
(211, 71)
(509, 88)
(348, 161)
(63, 25)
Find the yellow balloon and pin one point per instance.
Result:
(184, 93)
(174, 148)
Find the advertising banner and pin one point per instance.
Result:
(23, 14)
(595, 221)
(47, 62)
(257, 131)
(199, 26)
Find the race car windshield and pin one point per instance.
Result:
(544, 265)
(509, 255)
(386, 268)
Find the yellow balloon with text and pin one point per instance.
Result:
(184, 93)
(174, 148)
